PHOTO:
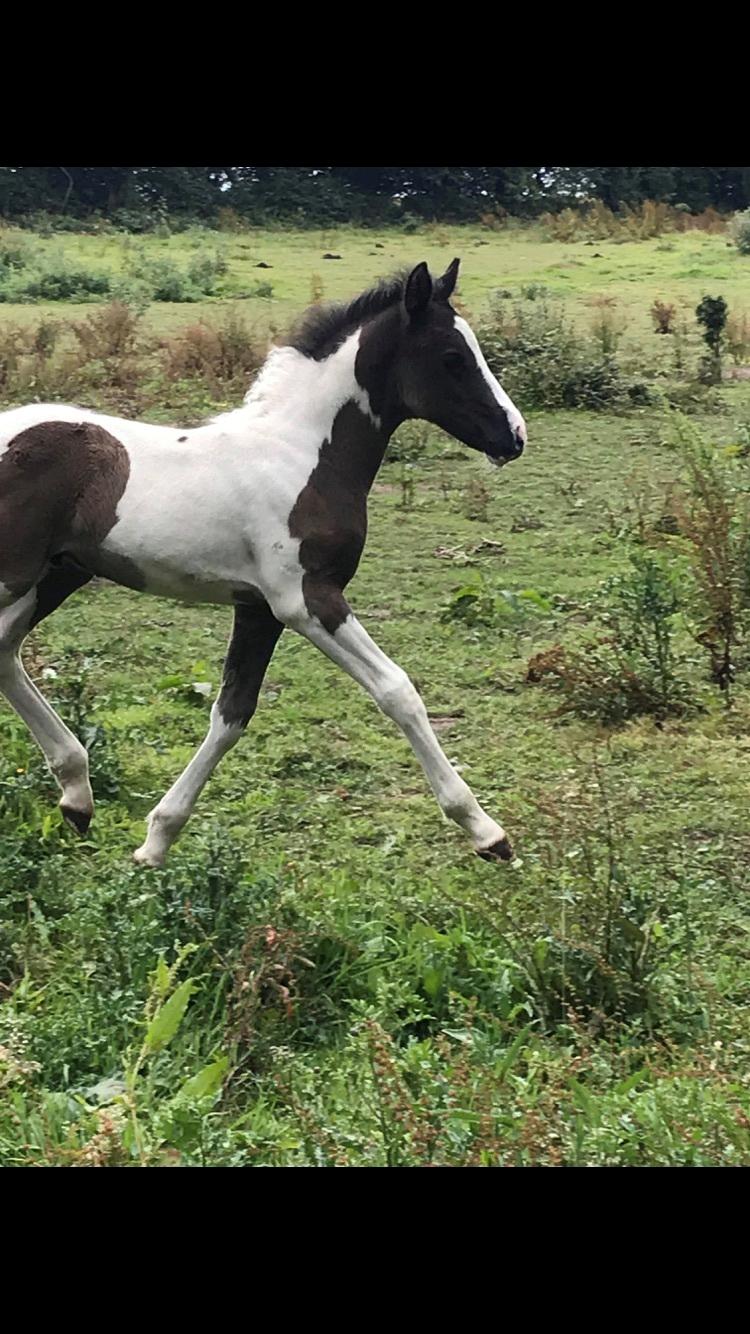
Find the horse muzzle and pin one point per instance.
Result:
(509, 451)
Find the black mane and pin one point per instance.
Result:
(324, 328)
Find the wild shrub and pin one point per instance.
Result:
(206, 272)
(409, 443)
(737, 335)
(108, 357)
(27, 368)
(711, 313)
(15, 253)
(695, 398)
(164, 280)
(482, 603)
(740, 231)
(607, 326)
(537, 355)
(55, 280)
(663, 315)
(597, 222)
(111, 334)
(631, 669)
(406, 447)
(222, 353)
(714, 517)
(531, 291)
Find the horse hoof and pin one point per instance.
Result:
(77, 819)
(502, 851)
(142, 857)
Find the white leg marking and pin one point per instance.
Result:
(65, 755)
(353, 649)
(176, 806)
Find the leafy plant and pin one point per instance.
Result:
(711, 313)
(663, 315)
(713, 515)
(482, 603)
(631, 670)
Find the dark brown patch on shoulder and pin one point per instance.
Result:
(181, 439)
(330, 514)
(60, 485)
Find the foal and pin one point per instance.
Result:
(264, 509)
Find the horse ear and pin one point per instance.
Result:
(418, 290)
(445, 285)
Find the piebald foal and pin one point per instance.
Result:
(264, 508)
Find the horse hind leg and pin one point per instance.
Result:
(66, 757)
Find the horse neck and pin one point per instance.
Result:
(328, 399)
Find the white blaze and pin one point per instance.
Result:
(515, 419)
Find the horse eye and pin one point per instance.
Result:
(454, 362)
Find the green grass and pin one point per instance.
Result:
(380, 995)
(677, 267)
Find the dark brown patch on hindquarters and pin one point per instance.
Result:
(330, 514)
(60, 485)
(254, 637)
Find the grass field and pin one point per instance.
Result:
(342, 982)
(675, 266)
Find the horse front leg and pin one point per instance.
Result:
(254, 637)
(325, 618)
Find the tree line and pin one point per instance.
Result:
(320, 195)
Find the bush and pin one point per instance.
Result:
(110, 334)
(696, 398)
(542, 361)
(481, 603)
(220, 354)
(262, 289)
(738, 337)
(205, 272)
(25, 355)
(597, 222)
(711, 313)
(56, 281)
(740, 231)
(631, 670)
(14, 253)
(409, 442)
(164, 280)
(136, 221)
(607, 326)
(714, 516)
(107, 358)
